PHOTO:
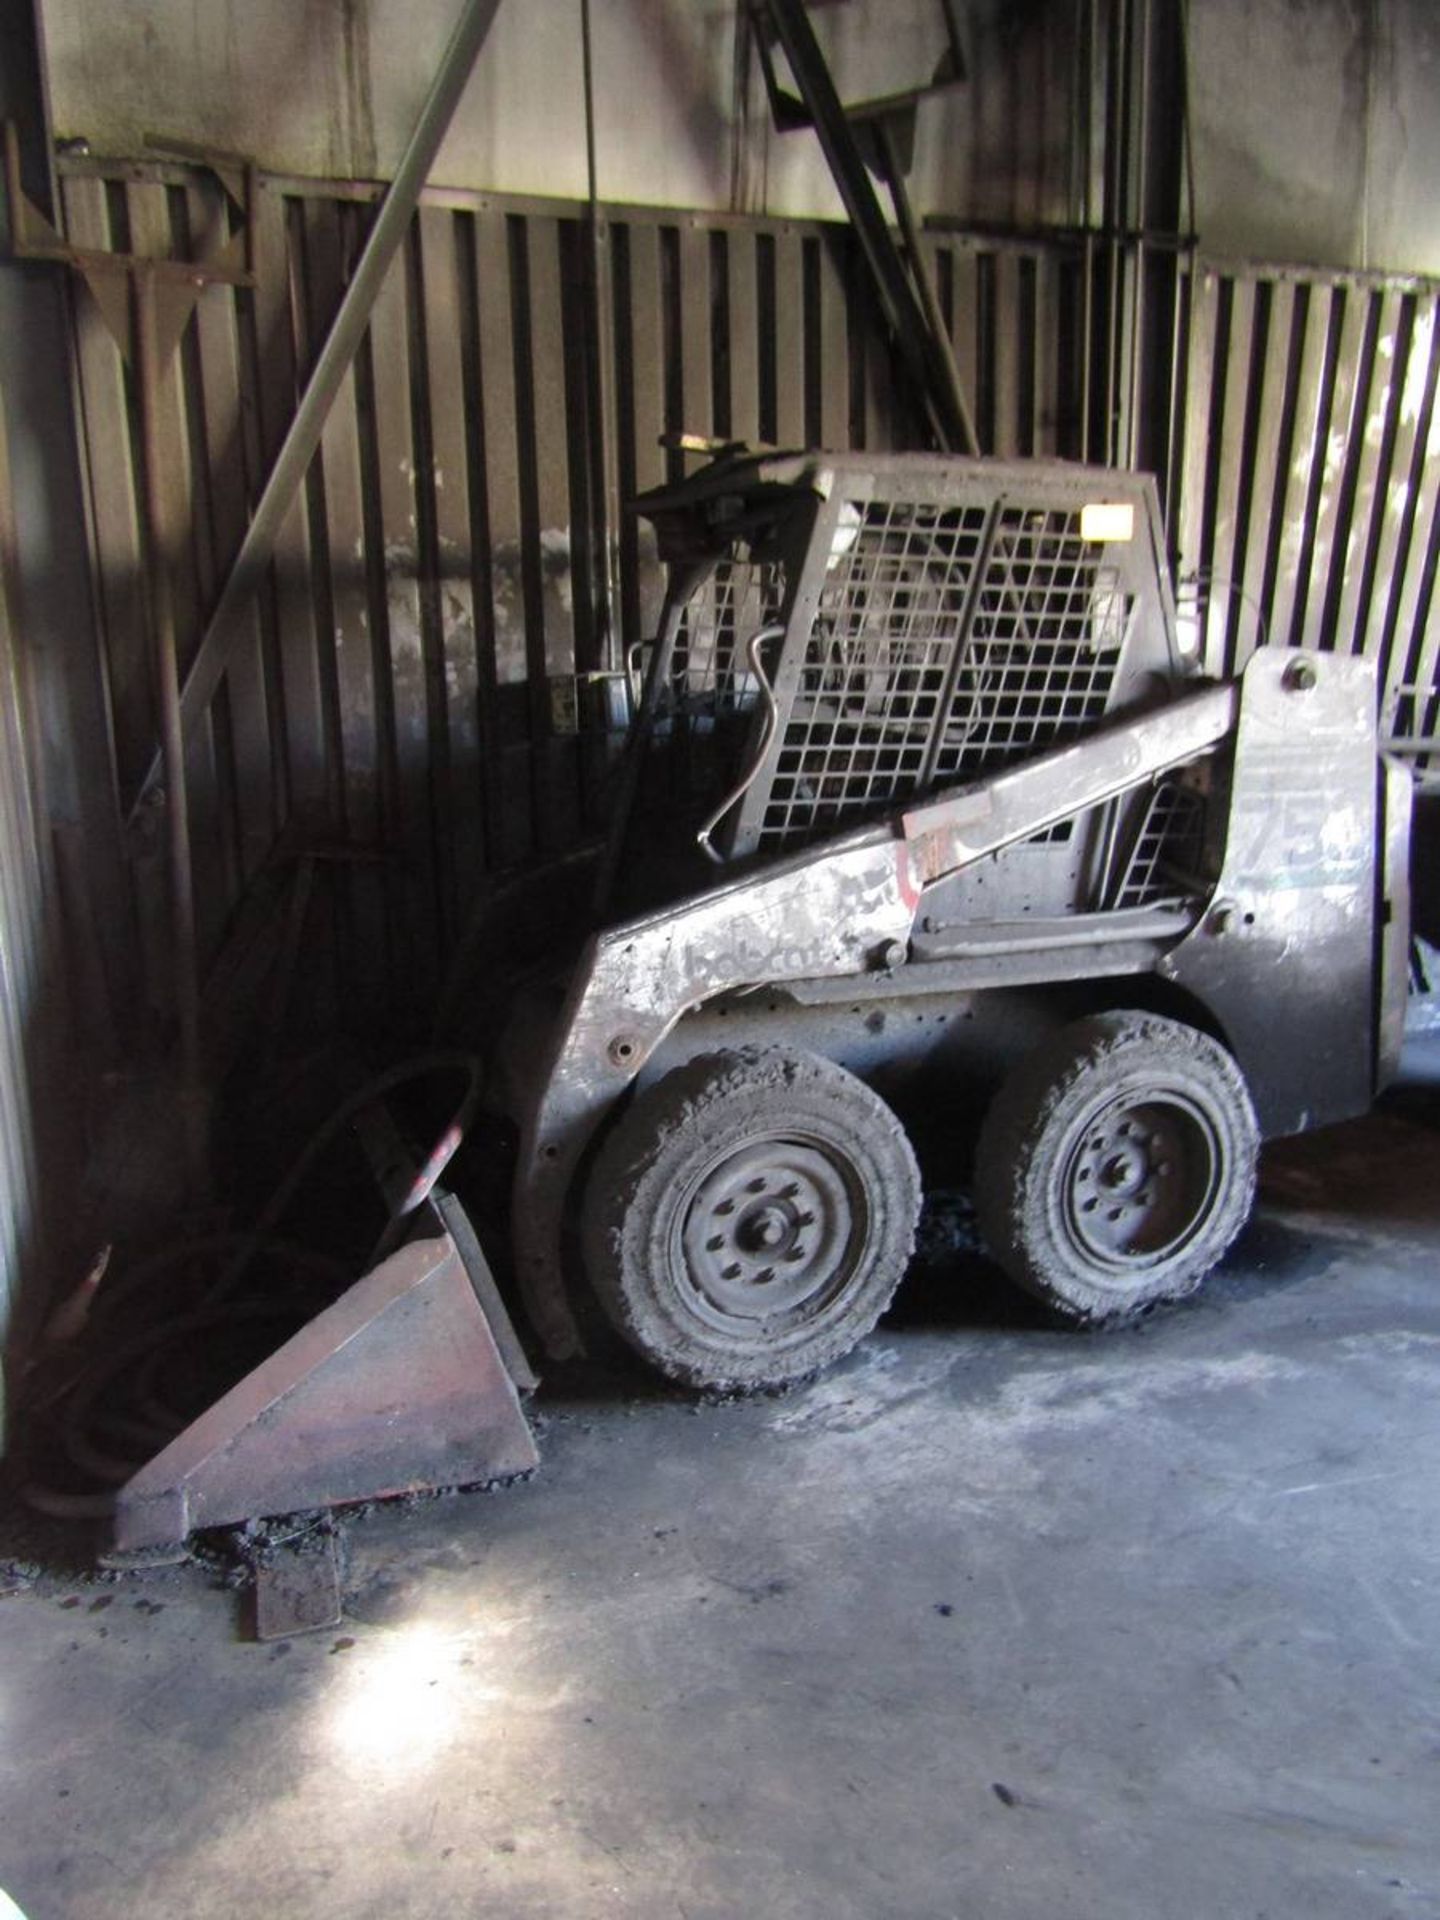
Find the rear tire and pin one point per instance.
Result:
(1116, 1165)
(750, 1217)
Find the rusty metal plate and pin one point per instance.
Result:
(396, 1388)
(298, 1590)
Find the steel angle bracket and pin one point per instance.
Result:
(176, 283)
(230, 262)
(398, 1387)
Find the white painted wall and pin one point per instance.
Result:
(1317, 130)
(1317, 122)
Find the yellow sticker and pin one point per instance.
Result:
(1108, 520)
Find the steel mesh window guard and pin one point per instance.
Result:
(877, 664)
(711, 675)
(948, 642)
(1039, 665)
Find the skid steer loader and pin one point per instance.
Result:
(928, 807)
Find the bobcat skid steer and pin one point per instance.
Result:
(929, 809)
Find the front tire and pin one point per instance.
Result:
(1116, 1165)
(749, 1218)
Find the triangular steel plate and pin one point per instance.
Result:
(396, 1388)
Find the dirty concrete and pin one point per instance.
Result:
(994, 1620)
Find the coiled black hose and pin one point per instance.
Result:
(107, 1447)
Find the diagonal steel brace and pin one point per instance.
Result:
(913, 318)
(347, 330)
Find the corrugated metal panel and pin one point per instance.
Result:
(1015, 312)
(1309, 513)
(22, 936)
(392, 701)
(392, 694)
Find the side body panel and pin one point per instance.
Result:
(1285, 955)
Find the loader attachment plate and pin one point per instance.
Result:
(398, 1387)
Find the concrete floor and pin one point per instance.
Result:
(995, 1621)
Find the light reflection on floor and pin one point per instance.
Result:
(398, 1705)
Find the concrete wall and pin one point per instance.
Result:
(1317, 130)
(331, 88)
(1316, 133)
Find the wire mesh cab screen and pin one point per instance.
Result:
(953, 618)
(711, 672)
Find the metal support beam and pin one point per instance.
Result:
(212, 656)
(52, 604)
(901, 302)
(946, 367)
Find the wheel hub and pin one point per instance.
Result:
(1124, 1173)
(769, 1228)
(1140, 1179)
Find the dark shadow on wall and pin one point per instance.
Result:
(41, 1077)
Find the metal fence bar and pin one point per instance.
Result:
(1312, 431)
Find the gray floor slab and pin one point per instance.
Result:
(997, 1620)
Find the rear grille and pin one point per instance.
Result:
(1167, 851)
(1414, 730)
(890, 700)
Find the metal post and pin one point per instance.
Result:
(207, 669)
(925, 286)
(1142, 222)
(610, 654)
(1114, 210)
(1087, 325)
(177, 813)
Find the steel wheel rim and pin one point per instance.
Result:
(1140, 1180)
(772, 1231)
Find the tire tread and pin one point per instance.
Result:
(1007, 1161)
(617, 1194)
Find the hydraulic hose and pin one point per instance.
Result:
(87, 1433)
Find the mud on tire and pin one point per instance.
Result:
(750, 1217)
(1116, 1165)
